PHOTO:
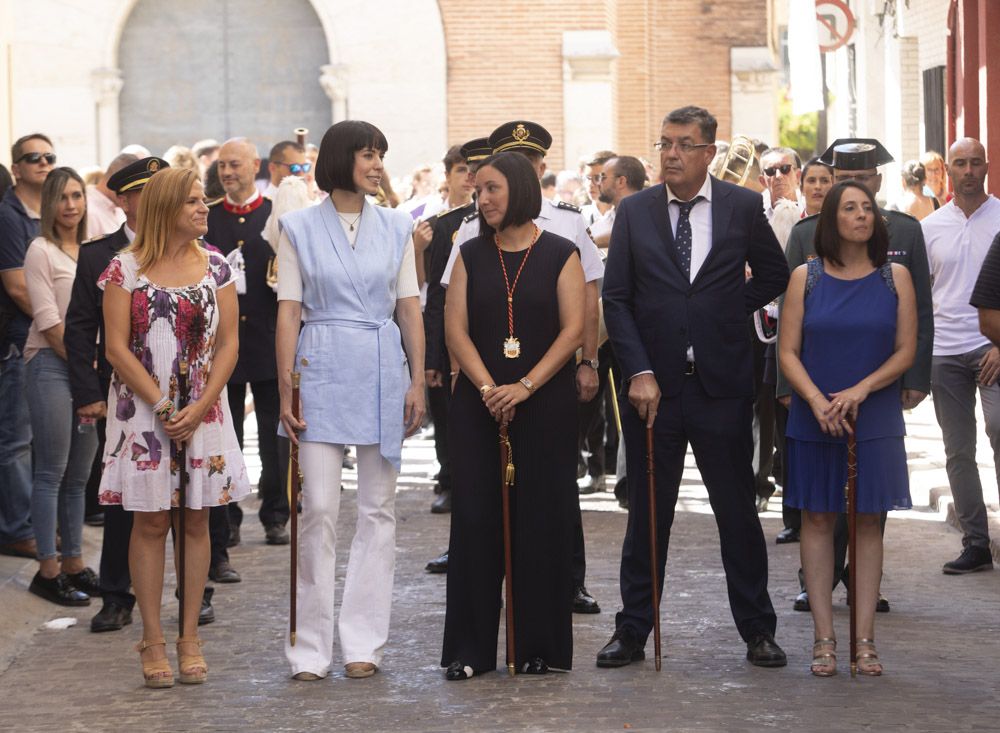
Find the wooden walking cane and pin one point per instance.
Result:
(182, 374)
(852, 539)
(614, 400)
(294, 487)
(506, 481)
(651, 473)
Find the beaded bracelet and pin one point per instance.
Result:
(164, 409)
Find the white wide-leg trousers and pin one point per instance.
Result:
(365, 609)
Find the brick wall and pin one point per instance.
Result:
(505, 61)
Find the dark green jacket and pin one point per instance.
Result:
(906, 247)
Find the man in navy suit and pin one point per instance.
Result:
(676, 302)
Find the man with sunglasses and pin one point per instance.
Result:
(32, 159)
(781, 170)
(287, 158)
(858, 159)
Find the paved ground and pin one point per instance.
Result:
(940, 643)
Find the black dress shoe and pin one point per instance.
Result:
(224, 573)
(882, 606)
(438, 564)
(206, 614)
(442, 502)
(457, 671)
(583, 602)
(111, 617)
(94, 520)
(787, 535)
(535, 666)
(801, 602)
(763, 651)
(276, 534)
(623, 649)
(87, 581)
(58, 590)
(234, 537)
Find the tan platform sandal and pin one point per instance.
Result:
(824, 661)
(867, 661)
(156, 674)
(192, 667)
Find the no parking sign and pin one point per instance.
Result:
(836, 24)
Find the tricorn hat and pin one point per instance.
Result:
(856, 154)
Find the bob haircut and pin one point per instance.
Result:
(52, 191)
(161, 202)
(524, 193)
(827, 240)
(335, 163)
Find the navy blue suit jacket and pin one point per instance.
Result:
(653, 313)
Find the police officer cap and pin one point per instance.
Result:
(477, 150)
(521, 135)
(135, 175)
(856, 154)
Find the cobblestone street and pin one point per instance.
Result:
(939, 644)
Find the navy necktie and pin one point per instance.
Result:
(682, 239)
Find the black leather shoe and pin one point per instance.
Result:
(442, 502)
(58, 590)
(87, 581)
(438, 564)
(94, 520)
(224, 573)
(207, 614)
(787, 535)
(621, 650)
(349, 463)
(535, 666)
(111, 617)
(234, 537)
(276, 534)
(457, 671)
(583, 602)
(882, 606)
(801, 602)
(763, 651)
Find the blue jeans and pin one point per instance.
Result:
(63, 456)
(15, 451)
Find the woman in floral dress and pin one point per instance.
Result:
(167, 299)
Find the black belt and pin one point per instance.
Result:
(689, 370)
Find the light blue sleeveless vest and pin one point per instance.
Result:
(354, 373)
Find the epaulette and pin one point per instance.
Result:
(214, 202)
(99, 238)
(451, 211)
(570, 207)
(470, 217)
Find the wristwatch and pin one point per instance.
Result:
(592, 363)
(528, 385)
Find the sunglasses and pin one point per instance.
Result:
(773, 170)
(35, 158)
(297, 168)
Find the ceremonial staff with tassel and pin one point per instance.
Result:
(506, 482)
(852, 538)
(182, 391)
(653, 562)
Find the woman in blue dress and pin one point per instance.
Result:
(345, 267)
(848, 332)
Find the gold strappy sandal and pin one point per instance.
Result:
(867, 661)
(824, 663)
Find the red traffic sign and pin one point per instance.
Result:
(836, 24)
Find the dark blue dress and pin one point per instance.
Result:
(848, 331)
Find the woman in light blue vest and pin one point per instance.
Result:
(344, 268)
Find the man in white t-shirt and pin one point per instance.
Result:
(958, 236)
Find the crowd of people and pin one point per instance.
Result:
(756, 309)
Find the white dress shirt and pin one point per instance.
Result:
(956, 248)
(701, 225)
(566, 223)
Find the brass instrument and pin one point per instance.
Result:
(271, 277)
(738, 163)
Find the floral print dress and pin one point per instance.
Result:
(140, 461)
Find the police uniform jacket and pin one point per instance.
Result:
(84, 332)
(445, 231)
(906, 247)
(259, 305)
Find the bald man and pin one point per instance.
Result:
(958, 236)
(235, 226)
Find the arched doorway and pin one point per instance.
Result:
(193, 69)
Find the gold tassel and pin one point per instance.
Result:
(510, 473)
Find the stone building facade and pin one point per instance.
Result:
(98, 74)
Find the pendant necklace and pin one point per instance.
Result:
(348, 221)
(511, 345)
